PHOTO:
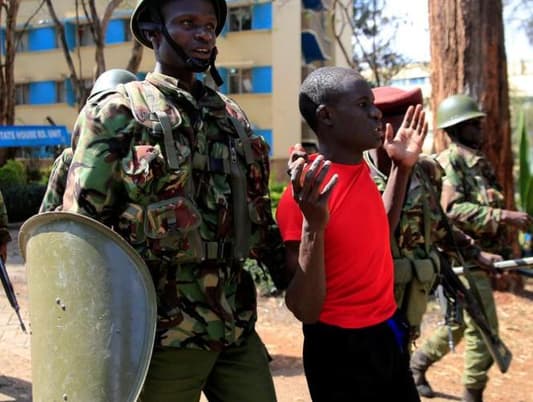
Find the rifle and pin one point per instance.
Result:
(519, 265)
(453, 286)
(469, 298)
(10, 293)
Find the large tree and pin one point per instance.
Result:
(98, 26)
(468, 56)
(373, 32)
(8, 19)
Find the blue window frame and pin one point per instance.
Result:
(262, 16)
(42, 93)
(262, 79)
(247, 17)
(42, 38)
(116, 32)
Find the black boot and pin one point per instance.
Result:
(420, 362)
(473, 395)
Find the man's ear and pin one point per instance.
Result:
(154, 37)
(323, 115)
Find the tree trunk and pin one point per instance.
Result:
(135, 57)
(468, 56)
(7, 72)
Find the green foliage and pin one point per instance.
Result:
(525, 175)
(23, 200)
(261, 276)
(374, 33)
(13, 173)
(23, 189)
(276, 190)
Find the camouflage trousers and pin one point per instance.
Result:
(237, 374)
(477, 359)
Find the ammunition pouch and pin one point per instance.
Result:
(414, 279)
(403, 275)
(170, 228)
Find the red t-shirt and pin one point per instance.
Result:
(358, 261)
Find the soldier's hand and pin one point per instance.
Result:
(405, 147)
(518, 219)
(486, 260)
(310, 192)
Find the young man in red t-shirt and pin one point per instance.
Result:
(336, 228)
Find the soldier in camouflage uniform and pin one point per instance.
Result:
(5, 237)
(173, 166)
(420, 230)
(473, 201)
(55, 189)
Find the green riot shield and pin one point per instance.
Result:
(92, 310)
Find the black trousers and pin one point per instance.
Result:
(357, 365)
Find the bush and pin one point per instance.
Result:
(23, 200)
(276, 190)
(13, 173)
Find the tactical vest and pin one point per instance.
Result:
(221, 168)
(413, 277)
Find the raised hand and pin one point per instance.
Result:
(486, 260)
(405, 147)
(309, 191)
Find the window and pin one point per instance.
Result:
(240, 80)
(22, 94)
(61, 92)
(84, 35)
(127, 31)
(240, 18)
(22, 39)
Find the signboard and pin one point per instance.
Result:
(33, 136)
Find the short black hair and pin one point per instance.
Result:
(323, 86)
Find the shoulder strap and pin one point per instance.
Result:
(144, 100)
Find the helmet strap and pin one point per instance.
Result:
(196, 65)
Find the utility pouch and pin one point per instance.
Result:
(425, 274)
(403, 270)
(425, 271)
(171, 226)
(403, 275)
(131, 224)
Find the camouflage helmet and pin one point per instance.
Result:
(456, 109)
(141, 20)
(110, 79)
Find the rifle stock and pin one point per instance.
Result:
(10, 293)
(453, 285)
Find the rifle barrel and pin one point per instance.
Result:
(10, 293)
(505, 265)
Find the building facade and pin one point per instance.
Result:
(265, 51)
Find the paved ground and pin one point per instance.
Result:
(282, 335)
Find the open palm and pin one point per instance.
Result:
(405, 147)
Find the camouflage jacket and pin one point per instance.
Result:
(472, 198)
(180, 220)
(53, 197)
(409, 234)
(4, 232)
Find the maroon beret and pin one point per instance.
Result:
(393, 101)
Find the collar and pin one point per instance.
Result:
(470, 155)
(169, 86)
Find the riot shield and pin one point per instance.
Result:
(92, 310)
